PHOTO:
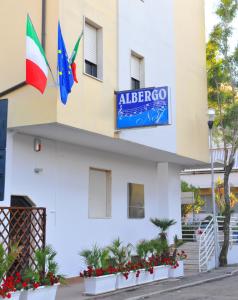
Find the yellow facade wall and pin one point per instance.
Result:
(26, 105)
(91, 104)
(191, 81)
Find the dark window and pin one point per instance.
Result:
(136, 205)
(90, 68)
(135, 84)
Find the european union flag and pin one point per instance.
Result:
(66, 79)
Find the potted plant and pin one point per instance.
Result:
(176, 263)
(159, 258)
(43, 281)
(99, 277)
(163, 225)
(120, 256)
(146, 271)
(9, 289)
(8, 284)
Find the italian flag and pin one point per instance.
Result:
(36, 62)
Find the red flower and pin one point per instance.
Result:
(35, 285)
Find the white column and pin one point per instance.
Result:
(169, 196)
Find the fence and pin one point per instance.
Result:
(25, 226)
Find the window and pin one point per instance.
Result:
(135, 84)
(207, 208)
(99, 205)
(136, 209)
(90, 68)
(136, 71)
(93, 49)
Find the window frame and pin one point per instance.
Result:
(141, 71)
(99, 51)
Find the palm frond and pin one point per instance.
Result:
(163, 224)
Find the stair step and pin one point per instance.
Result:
(192, 264)
(191, 268)
(192, 259)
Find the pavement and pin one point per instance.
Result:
(166, 289)
(224, 289)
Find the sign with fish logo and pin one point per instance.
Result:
(143, 107)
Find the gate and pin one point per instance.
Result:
(25, 226)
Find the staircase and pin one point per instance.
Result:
(191, 264)
(198, 244)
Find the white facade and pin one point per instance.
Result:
(146, 28)
(62, 187)
(57, 177)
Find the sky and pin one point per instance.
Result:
(211, 20)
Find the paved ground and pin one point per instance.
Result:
(225, 289)
(222, 288)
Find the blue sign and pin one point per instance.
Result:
(144, 107)
(3, 139)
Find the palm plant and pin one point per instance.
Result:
(177, 243)
(46, 267)
(164, 225)
(7, 258)
(120, 254)
(97, 257)
(143, 248)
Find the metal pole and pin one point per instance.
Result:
(214, 202)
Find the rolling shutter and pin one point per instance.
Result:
(135, 67)
(90, 43)
(99, 194)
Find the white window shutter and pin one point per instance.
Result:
(135, 67)
(90, 43)
(99, 194)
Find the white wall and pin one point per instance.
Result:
(62, 187)
(204, 180)
(147, 28)
(170, 196)
(232, 257)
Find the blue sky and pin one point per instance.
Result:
(211, 20)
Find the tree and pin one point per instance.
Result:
(220, 199)
(198, 203)
(222, 72)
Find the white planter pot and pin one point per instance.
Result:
(161, 272)
(178, 272)
(14, 296)
(122, 282)
(144, 277)
(42, 292)
(99, 285)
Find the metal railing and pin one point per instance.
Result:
(233, 230)
(191, 231)
(206, 246)
(203, 233)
